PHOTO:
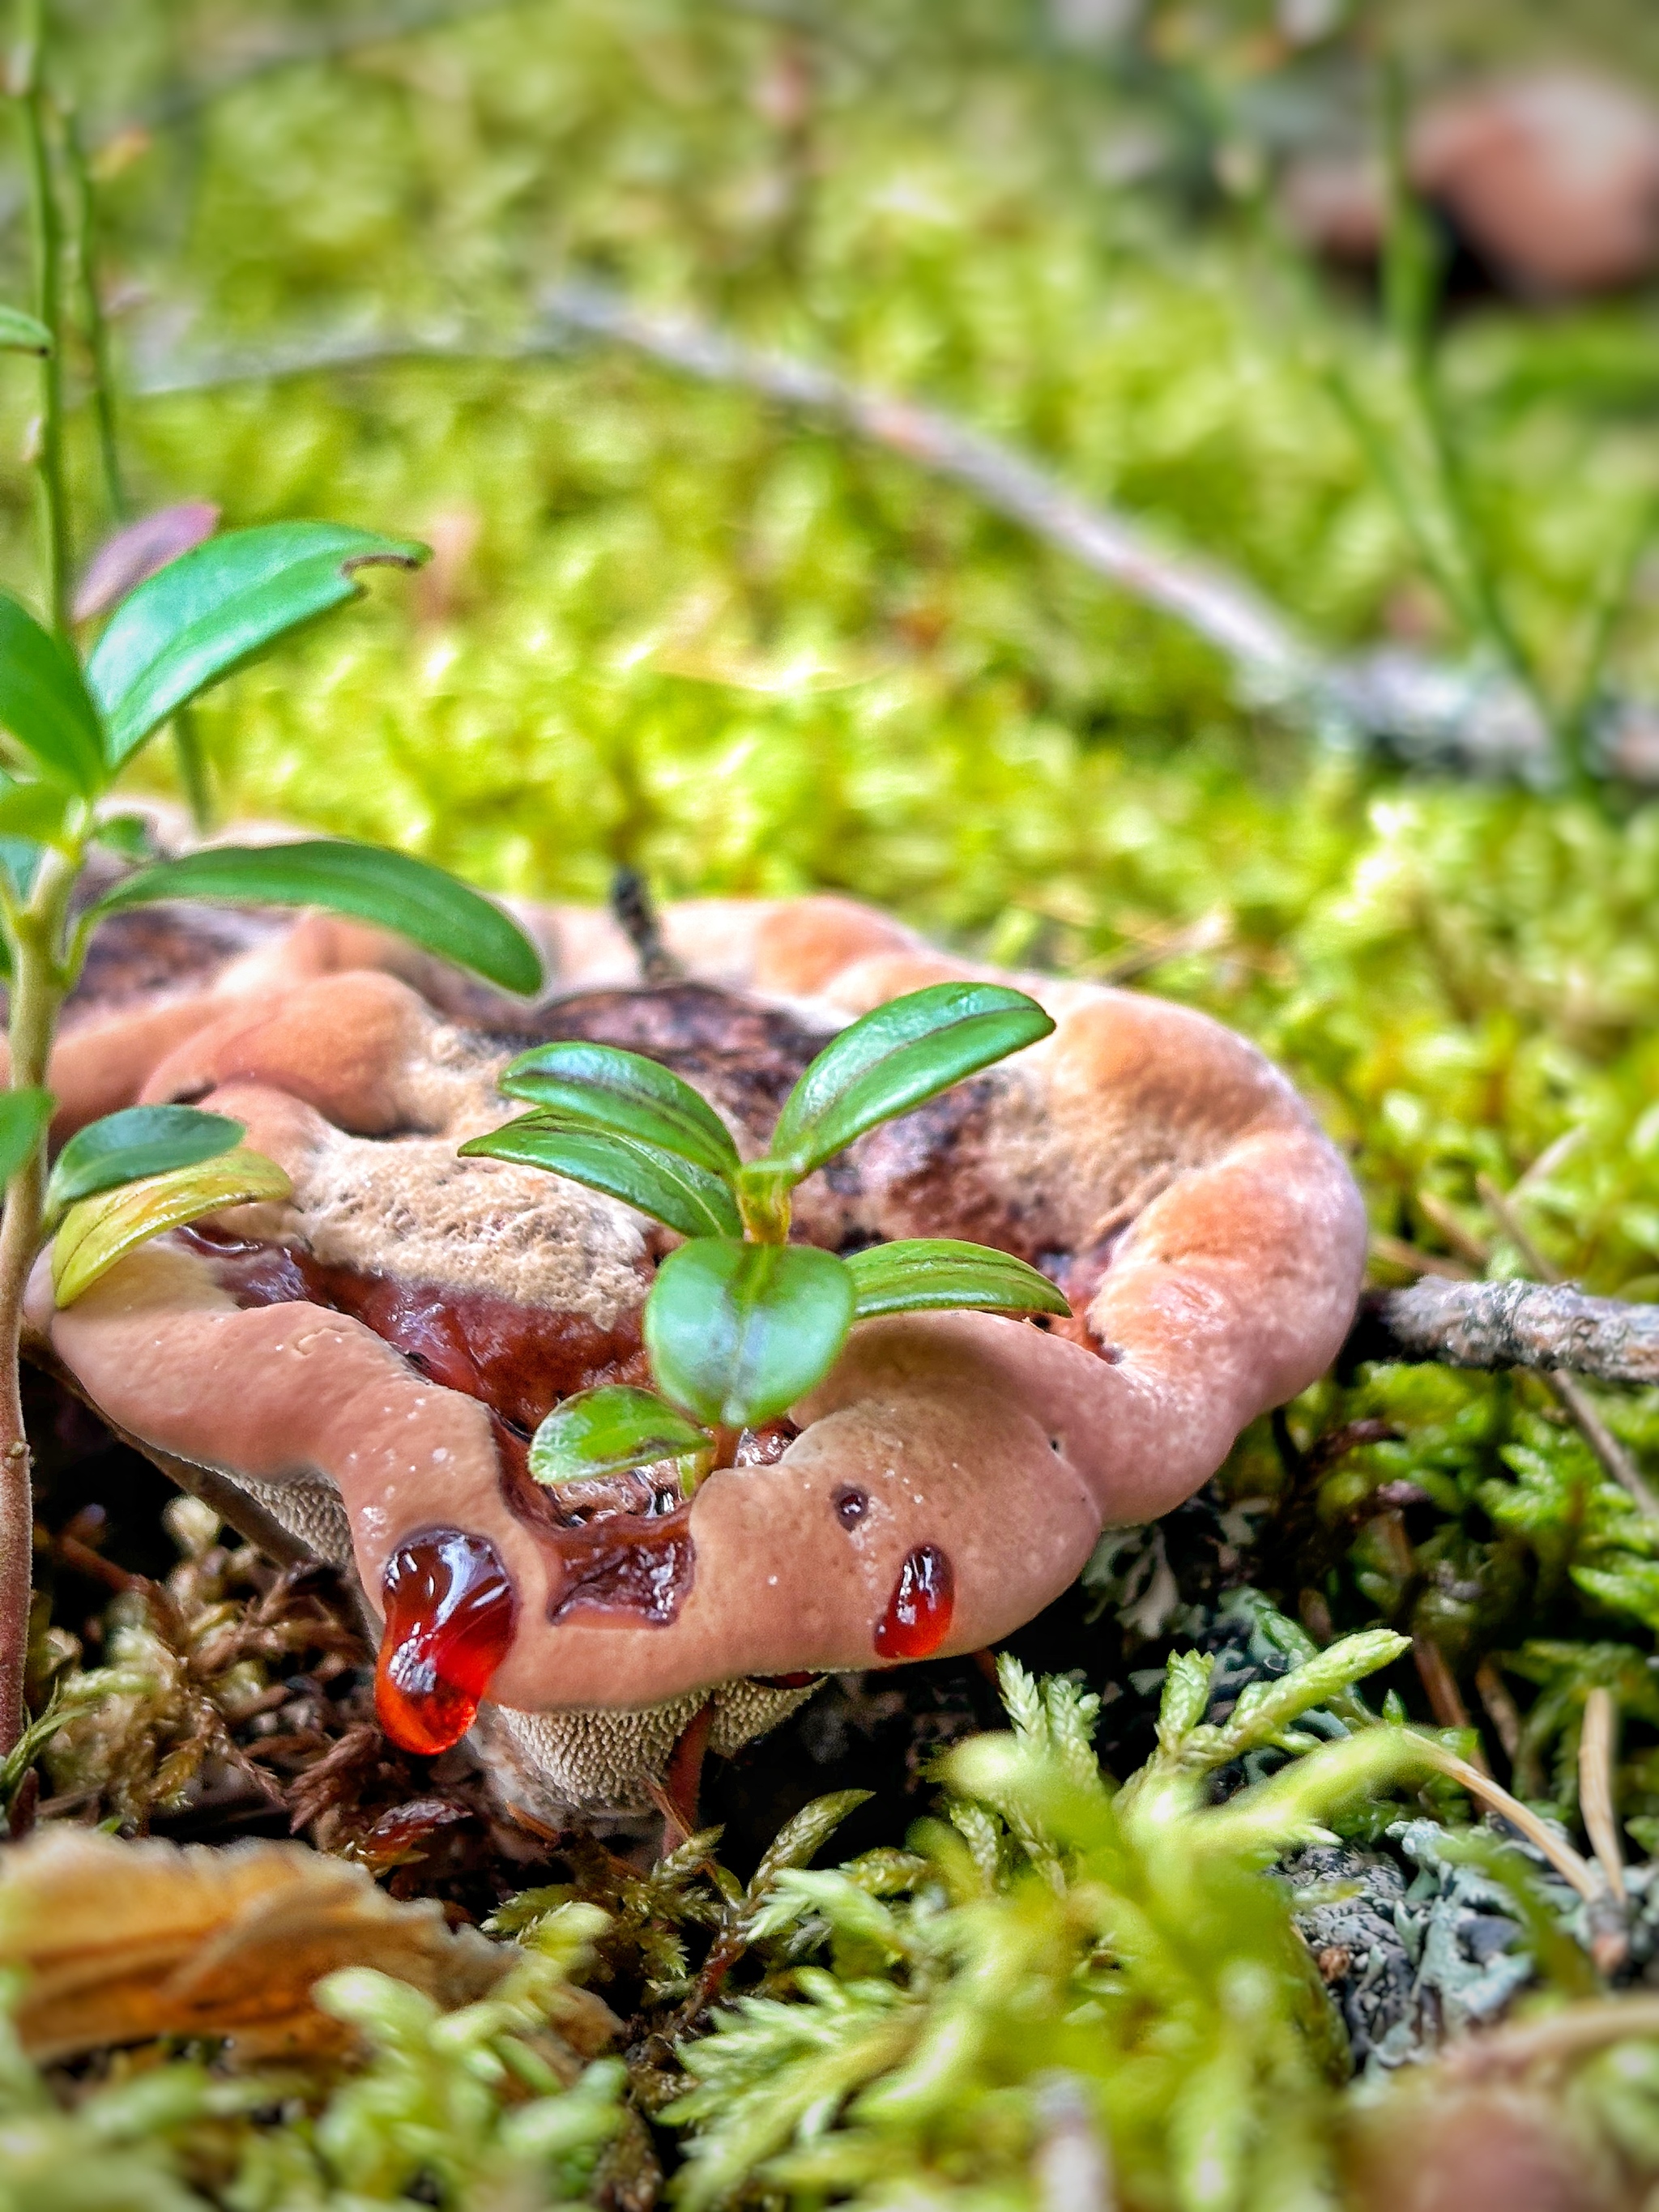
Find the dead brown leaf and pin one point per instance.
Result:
(126, 1940)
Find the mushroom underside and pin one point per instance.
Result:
(366, 1363)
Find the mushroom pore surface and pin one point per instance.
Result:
(367, 1362)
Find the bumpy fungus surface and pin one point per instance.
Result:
(367, 1361)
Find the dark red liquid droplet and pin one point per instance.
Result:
(449, 1607)
(917, 1616)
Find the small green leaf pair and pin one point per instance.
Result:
(740, 1324)
(125, 1178)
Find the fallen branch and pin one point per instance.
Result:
(1432, 713)
(332, 39)
(338, 39)
(1545, 1326)
(1253, 635)
(1552, 1328)
(1276, 664)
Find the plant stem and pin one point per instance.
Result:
(192, 760)
(92, 315)
(1596, 1780)
(1608, 603)
(1412, 275)
(763, 1190)
(47, 242)
(38, 984)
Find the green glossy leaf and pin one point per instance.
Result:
(388, 888)
(605, 1088)
(670, 1189)
(894, 1057)
(23, 1118)
(32, 812)
(607, 1432)
(925, 1273)
(45, 704)
(130, 834)
(737, 1332)
(104, 1228)
(217, 608)
(21, 333)
(138, 1142)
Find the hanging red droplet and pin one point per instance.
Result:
(449, 1607)
(917, 1616)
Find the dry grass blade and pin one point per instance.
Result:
(1395, 1252)
(1596, 1746)
(1571, 2033)
(1560, 1854)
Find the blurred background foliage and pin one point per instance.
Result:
(671, 625)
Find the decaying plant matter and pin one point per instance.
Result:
(399, 2057)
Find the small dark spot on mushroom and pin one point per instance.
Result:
(1054, 1443)
(851, 1506)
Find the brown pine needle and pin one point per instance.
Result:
(1560, 1854)
(1596, 1778)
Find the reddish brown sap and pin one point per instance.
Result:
(917, 1616)
(449, 1614)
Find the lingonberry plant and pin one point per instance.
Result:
(740, 1323)
(74, 727)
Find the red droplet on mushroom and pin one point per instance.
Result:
(917, 1616)
(449, 1607)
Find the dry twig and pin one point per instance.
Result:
(1275, 663)
(1555, 2040)
(1423, 710)
(1545, 1326)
